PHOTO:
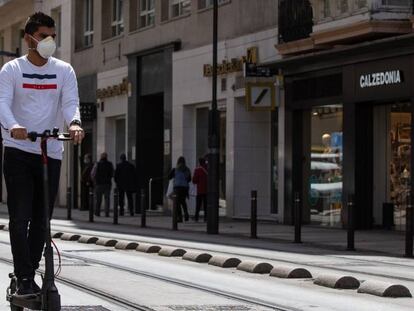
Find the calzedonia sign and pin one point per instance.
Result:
(376, 79)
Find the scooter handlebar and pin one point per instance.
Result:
(49, 134)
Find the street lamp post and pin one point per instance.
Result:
(213, 142)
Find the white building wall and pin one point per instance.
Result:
(248, 137)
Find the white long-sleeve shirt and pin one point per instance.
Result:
(37, 98)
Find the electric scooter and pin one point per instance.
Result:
(48, 298)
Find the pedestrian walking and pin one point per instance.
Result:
(125, 179)
(86, 181)
(102, 174)
(181, 176)
(200, 180)
(37, 92)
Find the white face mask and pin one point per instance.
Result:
(46, 47)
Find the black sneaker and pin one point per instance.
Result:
(24, 288)
(35, 287)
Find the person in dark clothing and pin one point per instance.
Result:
(200, 179)
(125, 178)
(102, 174)
(86, 181)
(182, 176)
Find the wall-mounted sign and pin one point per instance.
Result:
(260, 96)
(381, 78)
(234, 65)
(114, 90)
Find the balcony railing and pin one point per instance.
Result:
(295, 20)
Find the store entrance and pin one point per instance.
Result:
(392, 164)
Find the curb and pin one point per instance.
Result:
(106, 242)
(2, 227)
(224, 262)
(171, 252)
(88, 239)
(70, 237)
(6, 228)
(197, 257)
(286, 272)
(255, 267)
(126, 245)
(57, 235)
(337, 281)
(384, 289)
(148, 248)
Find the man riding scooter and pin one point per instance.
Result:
(37, 92)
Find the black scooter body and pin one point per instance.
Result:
(48, 299)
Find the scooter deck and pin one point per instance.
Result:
(33, 302)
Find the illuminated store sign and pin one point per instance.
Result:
(381, 78)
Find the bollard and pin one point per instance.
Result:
(253, 218)
(69, 203)
(298, 219)
(174, 213)
(116, 203)
(91, 204)
(351, 224)
(143, 210)
(409, 228)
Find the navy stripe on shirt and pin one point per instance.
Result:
(37, 76)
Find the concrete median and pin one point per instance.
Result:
(70, 237)
(148, 248)
(106, 242)
(56, 235)
(337, 281)
(384, 289)
(197, 257)
(126, 245)
(88, 239)
(224, 262)
(287, 272)
(171, 252)
(255, 267)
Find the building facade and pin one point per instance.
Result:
(124, 54)
(348, 110)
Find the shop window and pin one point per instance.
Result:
(146, 13)
(117, 24)
(325, 171)
(83, 24)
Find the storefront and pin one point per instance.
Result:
(248, 138)
(348, 133)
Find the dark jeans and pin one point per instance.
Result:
(27, 226)
(102, 190)
(84, 197)
(201, 199)
(122, 201)
(182, 194)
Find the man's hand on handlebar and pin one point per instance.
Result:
(76, 133)
(19, 132)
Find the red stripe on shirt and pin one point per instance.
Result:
(40, 86)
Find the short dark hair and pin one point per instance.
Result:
(202, 161)
(37, 20)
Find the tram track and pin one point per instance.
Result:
(133, 306)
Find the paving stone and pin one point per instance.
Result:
(70, 237)
(126, 245)
(384, 289)
(224, 261)
(197, 257)
(288, 272)
(106, 242)
(171, 252)
(88, 239)
(148, 248)
(255, 267)
(337, 281)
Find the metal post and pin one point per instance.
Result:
(116, 203)
(143, 209)
(69, 203)
(150, 194)
(351, 224)
(75, 181)
(298, 219)
(253, 218)
(409, 228)
(174, 213)
(91, 204)
(214, 142)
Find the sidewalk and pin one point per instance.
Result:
(237, 232)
